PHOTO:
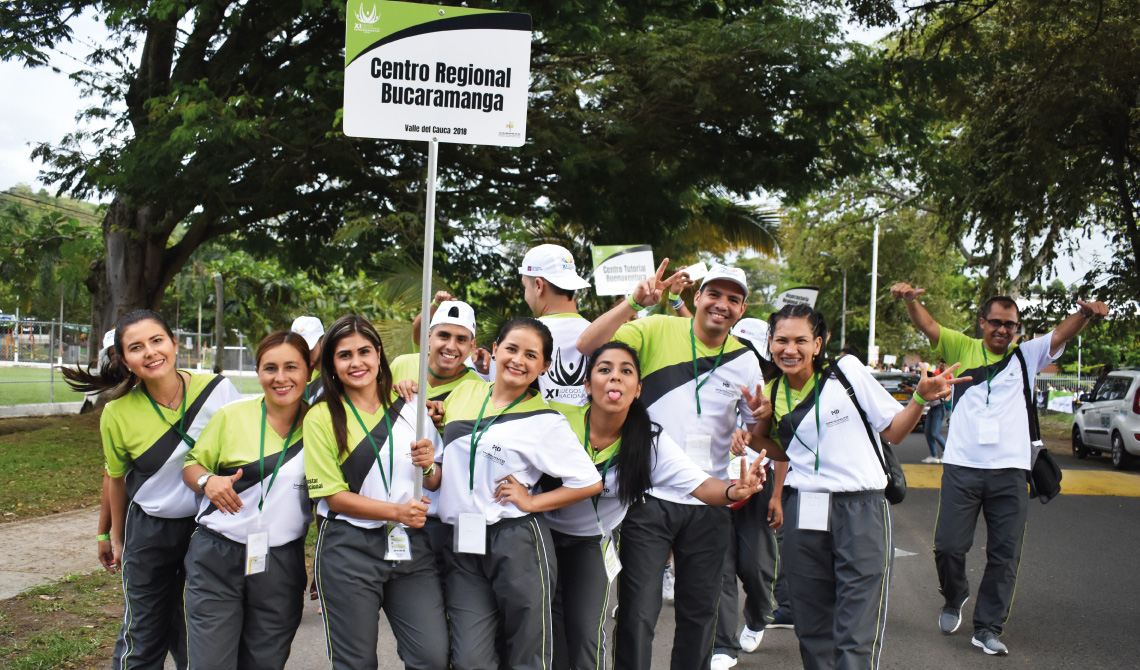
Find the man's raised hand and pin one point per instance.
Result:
(904, 291)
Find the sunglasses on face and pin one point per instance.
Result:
(1011, 326)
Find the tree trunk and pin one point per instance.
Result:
(133, 273)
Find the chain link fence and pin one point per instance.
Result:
(31, 351)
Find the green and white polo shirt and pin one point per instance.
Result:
(147, 448)
(527, 440)
(232, 442)
(847, 459)
(670, 470)
(989, 428)
(357, 471)
(665, 348)
(408, 367)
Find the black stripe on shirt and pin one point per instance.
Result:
(658, 383)
(359, 463)
(458, 429)
(151, 461)
(993, 370)
(251, 472)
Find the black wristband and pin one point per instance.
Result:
(726, 493)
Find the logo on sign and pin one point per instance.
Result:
(509, 132)
(365, 20)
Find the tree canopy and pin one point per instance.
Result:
(652, 122)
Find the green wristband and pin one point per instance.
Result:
(434, 303)
(673, 297)
(918, 399)
(633, 303)
(428, 472)
(104, 536)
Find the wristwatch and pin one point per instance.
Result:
(202, 481)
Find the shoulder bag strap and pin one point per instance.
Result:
(862, 415)
(1030, 406)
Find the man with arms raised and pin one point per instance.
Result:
(987, 454)
(692, 374)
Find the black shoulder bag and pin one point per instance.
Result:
(1044, 474)
(896, 479)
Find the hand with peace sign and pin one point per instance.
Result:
(648, 291)
(760, 404)
(939, 386)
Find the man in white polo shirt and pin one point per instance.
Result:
(692, 372)
(550, 280)
(987, 454)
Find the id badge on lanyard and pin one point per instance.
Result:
(610, 557)
(813, 511)
(471, 534)
(256, 550)
(399, 545)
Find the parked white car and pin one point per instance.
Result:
(1110, 420)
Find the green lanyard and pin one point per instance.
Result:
(478, 434)
(375, 449)
(280, 459)
(605, 468)
(788, 397)
(178, 428)
(989, 376)
(700, 383)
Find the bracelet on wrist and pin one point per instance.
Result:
(673, 297)
(677, 304)
(633, 303)
(728, 496)
(434, 303)
(428, 472)
(918, 399)
(103, 537)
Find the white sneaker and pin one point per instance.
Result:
(722, 662)
(667, 583)
(750, 639)
(931, 460)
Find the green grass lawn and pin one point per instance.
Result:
(23, 386)
(48, 465)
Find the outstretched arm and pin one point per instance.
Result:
(918, 314)
(647, 294)
(1075, 323)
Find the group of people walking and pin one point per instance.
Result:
(569, 456)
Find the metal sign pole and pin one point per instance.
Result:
(425, 302)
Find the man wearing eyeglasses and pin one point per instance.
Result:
(987, 454)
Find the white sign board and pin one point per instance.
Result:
(800, 295)
(889, 359)
(872, 354)
(414, 72)
(619, 268)
(1061, 404)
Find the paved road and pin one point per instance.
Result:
(1076, 602)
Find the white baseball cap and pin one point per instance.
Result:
(310, 328)
(755, 331)
(554, 264)
(454, 312)
(726, 273)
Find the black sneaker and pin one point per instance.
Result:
(988, 641)
(782, 619)
(951, 618)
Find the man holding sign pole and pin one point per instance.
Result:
(693, 372)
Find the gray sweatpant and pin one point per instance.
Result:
(698, 536)
(1003, 498)
(355, 583)
(753, 557)
(581, 599)
(153, 577)
(234, 621)
(838, 581)
(503, 598)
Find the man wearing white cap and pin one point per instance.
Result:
(550, 280)
(692, 374)
(312, 331)
(451, 339)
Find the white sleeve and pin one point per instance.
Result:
(560, 454)
(670, 467)
(228, 392)
(879, 406)
(755, 381)
(1037, 355)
